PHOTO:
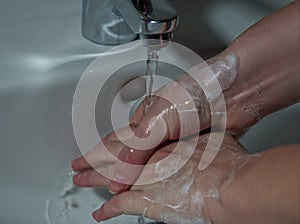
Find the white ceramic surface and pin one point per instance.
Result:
(42, 56)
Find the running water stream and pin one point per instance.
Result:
(151, 71)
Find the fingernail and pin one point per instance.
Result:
(116, 187)
(74, 164)
(97, 215)
(76, 177)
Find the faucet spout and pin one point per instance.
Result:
(149, 17)
(118, 21)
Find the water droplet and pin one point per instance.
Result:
(141, 220)
(258, 93)
(71, 173)
(234, 107)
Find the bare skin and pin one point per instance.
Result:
(235, 188)
(180, 118)
(269, 71)
(265, 190)
(268, 80)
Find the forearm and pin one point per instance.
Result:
(269, 70)
(264, 191)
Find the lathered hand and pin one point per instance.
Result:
(185, 197)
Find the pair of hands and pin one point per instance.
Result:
(178, 110)
(187, 194)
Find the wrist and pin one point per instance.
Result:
(215, 212)
(227, 208)
(243, 98)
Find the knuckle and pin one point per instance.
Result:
(128, 156)
(152, 212)
(116, 204)
(121, 202)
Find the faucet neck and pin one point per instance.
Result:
(148, 17)
(113, 22)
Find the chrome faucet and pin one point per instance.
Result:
(113, 22)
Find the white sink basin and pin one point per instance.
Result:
(42, 56)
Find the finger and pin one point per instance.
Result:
(125, 174)
(130, 162)
(130, 202)
(105, 151)
(80, 164)
(138, 114)
(96, 157)
(119, 134)
(90, 178)
(151, 132)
